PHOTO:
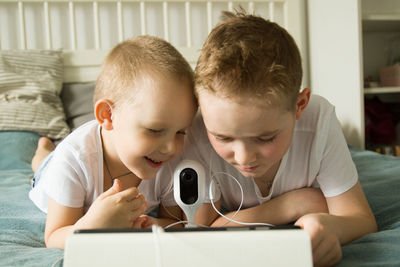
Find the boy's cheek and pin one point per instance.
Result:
(222, 149)
(179, 147)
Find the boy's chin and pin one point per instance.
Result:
(144, 174)
(247, 174)
(147, 176)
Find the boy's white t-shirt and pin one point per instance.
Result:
(318, 156)
(74, 175)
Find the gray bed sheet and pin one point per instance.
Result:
(22, 224)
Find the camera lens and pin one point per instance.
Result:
(188, 186)
(187, 177)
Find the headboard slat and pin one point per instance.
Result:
(271, 11)
(96, 25)
(286, 15)
(188, 24)
(72, 25)
(49, 39)
(209, 16)
(166, 20)
(230, 6)
(120, 16)
(251, 7)
(143, 17)
(22, 26)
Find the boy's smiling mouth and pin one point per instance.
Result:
(154, 163)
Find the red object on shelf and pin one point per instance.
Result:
(379, 122)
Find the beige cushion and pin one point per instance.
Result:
(30, 85)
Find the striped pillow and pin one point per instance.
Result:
(30, 85)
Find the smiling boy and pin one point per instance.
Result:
(112, 171)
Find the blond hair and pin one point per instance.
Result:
(131, 58)
(248, 56)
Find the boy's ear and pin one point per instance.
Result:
(302, 101)
(103, 113)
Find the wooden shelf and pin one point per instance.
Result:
(382, 16)
(382, 90)
(381, 25)
(381, 22)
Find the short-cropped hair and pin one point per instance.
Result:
(134, 57)
(248, 56)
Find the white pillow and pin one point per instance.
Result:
(30, 85)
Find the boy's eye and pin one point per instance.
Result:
(223, 139)
(265, 140)
(155, 131)
(160, 131)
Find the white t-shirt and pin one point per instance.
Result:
(318, 156)
(74, 175)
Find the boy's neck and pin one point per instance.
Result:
(115, 166)
(265, 182)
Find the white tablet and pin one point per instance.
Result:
(190, 247)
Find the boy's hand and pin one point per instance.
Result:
(114, 209)
(326, 248)
(144, 221)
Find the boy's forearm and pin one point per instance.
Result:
(350, 228)
(264, 213)
(58, 238)
(351, 217)
(168, 215)
(283, 209)
(164, 222)
(276, 211)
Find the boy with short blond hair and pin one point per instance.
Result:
(109, 173)
(284, 146)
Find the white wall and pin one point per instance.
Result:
(336, 61)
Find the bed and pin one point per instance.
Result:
(50, 53)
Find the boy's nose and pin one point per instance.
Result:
(243, 155)
(168, 148)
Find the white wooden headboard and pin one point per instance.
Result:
(87, 29)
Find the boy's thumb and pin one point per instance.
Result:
(115, 188)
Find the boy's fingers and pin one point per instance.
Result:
(138, 223)
(137, 203)
(149, 222)
(128, 194)
(135, 213)
(115, 188)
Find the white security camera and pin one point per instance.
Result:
(189, 188)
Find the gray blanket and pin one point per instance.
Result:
(22, 224)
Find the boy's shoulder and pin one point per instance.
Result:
(318, 112)
(319, 103)
(83, 137)
(318, 107)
